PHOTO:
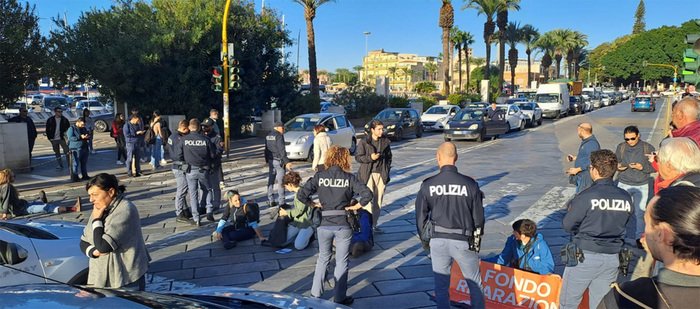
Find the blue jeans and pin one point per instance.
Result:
(79, 160)
(180, 191)
(133, 153)
(196, 180)
(443, 251)
(157, 152)
(300, 237)
(640, 194)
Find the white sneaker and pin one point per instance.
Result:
(120, 162)
(163, 162)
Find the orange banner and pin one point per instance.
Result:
(506, 287)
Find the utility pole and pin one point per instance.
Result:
(224, 56)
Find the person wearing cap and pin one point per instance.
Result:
(31, 128)
(216, 175)
(56, 128)
(277, 161)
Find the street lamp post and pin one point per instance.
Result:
(367, 34)
(224, 54)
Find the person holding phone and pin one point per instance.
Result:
(634, 174)
(374, 155)
(78, 144)
(582, 160)
(112, 238)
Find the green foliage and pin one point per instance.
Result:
(398, 102)
(346, 76)
(301, 105)
(455, 98)
(427, 102)
(663, 45)
(478, 75)
(360, 101)
(21, 49)
(639, 24)
(157, 55)
(425, 87)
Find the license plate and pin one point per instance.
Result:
(459, 132)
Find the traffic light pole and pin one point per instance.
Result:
(224, 50)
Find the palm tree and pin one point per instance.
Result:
(392, 71)
(431, 67)
(580, 57)
(408, 75)
(513, 37)
(502, 21)
(458, 41)
(310, 7)
(562, 41)
(529, 37)
(577, 40)
(487, 8)
(358, 69)
(468, 40)
(546, 44)
(447, 20)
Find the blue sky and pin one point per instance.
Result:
(411, 26)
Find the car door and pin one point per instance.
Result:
(331, 130)
(32, 264)
(344, 134)
(416, 119)
(496, 125)
(409, 124)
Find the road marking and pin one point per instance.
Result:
(551, 202)
(39, 177)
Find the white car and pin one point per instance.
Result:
(299, 134)
(437, 116)
(514, 116)
(532, 111)
(48, 248)
(605, 100)
(14, 108)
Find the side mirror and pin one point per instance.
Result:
(12, 254)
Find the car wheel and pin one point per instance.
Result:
(522, 125)
(558, 115)
(399, 135)
(101, 126)
(539, 122)
(419, 132)
(480, 138)
(310, 158)
(353, 146)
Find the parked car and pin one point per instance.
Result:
(34, 99)
(49, 103)
(49, 249)
(532, 111)
(399, 123)
(514, 116)
(476, 105)
(605, 100)
(473, 124)
(92, 105)
(299, 134)
(437, 116)
(576, 105)
(13, 108)
(643, 102)
(103, 121)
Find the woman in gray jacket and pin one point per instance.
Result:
(321, 144)
(112, 238)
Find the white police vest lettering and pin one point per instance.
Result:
(271, 138)
(333, 183)
(613, 205)
(195, 143)
(448, 190)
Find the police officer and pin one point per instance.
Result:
(452, 203)
(335, 186)
(179, 168)
(277, 162)
(216, 174)
(198, 152)
(597, 217)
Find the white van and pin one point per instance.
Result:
(553, 99)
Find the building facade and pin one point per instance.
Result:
(403, 70)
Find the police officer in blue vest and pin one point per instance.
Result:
(198, 153)
(597, 217)
(179, 168)
(216, 175)
(277, 161)
(449, 211)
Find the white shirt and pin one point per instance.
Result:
(57, 134)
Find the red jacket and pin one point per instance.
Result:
(117, 129)
(692, 130)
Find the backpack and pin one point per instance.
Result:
(165, 130)
(149, 137)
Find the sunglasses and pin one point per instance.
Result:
(630, 139)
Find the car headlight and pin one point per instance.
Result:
(391, 127)
(473, 127)
(302, 139)
(447, 125)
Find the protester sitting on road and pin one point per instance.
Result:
(526, 249)
(240, 221)
(118, 134)
(362, 240)
(90, 127)
(677, 156)
(12, 206)
(299, 230)
(112, 238)
(321, 144)
(672, 229)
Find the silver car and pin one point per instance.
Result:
(299, 134)
(51, 249)
(532, 111)
(514, 116)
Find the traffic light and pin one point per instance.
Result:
(691, 60)
(216, 75)
(234, 80)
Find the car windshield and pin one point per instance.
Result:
(302, 123)
(469, 115)
(389, 115)
(477, 105)
(437, 110)
(527, 107)
(642, 98)
(54, 102)
(547, 98)
(95, 104)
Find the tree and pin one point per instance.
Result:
(432, 68)
(408, 75)
(547, 46)
(310, 7)
(639, 24)
(513, 37)
(425, 87)
(478, 75)
(576, 42)
(502, 21)
(529, 38)
(487, 8)
(447, 20)
(21, 49)
(457, 39)
(468, 41)
(562, 43)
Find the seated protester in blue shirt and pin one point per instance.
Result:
(526, 250)
(362, 240)
(240, 221)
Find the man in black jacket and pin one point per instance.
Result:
(56, 128)
(454, 203)
(374, 155)
(597, 217)
(31, 128)
(277, 162)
